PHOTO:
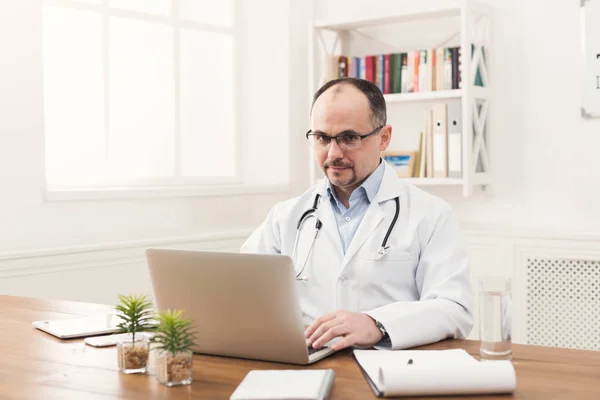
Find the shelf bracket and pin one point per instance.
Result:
(479, 145)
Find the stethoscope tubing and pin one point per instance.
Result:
(310, 213)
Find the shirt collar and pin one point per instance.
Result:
(370, 186)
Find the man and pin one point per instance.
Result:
(379, 262)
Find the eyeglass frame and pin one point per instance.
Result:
(362, 137)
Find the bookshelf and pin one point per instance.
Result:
(470, 25)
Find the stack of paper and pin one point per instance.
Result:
(433, 372)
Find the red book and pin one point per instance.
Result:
(386, 74)
(370, 67)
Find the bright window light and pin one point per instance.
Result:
(139, 93)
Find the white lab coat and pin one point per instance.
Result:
(420, 291)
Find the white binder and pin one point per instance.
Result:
(454, 124)
(440, 141)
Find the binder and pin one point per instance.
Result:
(429, 144)
(454, 139)
(440, 141)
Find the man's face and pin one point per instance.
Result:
(343, 109)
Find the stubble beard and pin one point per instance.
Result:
(337, 180)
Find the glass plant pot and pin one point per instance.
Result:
(174, 370)
(133, 355)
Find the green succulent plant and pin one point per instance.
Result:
(174, 332)
(137, 314)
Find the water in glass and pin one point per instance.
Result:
(495, 320)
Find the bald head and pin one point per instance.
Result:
(375, 101)
(345, 106)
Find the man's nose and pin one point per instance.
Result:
(335, 151)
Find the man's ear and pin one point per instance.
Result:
(386, 137)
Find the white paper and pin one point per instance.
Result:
(281, 384)
(435, 372)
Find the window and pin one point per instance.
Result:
(140, 93)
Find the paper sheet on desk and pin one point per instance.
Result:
(433, 372)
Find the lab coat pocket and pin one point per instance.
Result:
(388, 279)
(395, 255)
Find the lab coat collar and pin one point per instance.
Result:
(391, 186)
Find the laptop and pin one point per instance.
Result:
(242, 305)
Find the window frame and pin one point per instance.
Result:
(176, 185)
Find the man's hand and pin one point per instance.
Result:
(355, 328)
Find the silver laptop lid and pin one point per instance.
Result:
(243, 305)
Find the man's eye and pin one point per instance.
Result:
(323, 139)
(350, 139)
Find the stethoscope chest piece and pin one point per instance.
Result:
(382, 252)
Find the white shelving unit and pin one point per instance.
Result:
(474, 27)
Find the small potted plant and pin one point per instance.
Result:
(173, 339)
(133, 349)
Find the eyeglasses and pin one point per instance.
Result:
(346, 141)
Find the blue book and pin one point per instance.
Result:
(363, 68)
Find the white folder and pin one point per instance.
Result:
(454, 125)
(440, 141)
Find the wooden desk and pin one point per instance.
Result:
(35, 365)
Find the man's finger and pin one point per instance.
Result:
(330, 334)
(313, 327)
(322, 329)
(347, 341)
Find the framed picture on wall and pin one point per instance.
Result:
(402, 161)
(590, 43)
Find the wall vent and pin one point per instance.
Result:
(563, 303)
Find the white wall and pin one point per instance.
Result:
(547, 176)
(33, 229)
(544, 155)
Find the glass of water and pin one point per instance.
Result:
(495, 318)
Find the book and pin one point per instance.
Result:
(418, 70)
(305, 384)
(433, 373)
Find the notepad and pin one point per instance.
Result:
(433, 372)
(314, 384)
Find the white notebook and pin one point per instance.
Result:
(433, 373)
(313, 384)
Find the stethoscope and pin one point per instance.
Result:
(383, 250)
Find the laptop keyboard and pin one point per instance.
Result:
(312, 350)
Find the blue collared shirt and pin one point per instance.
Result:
(348, 219)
